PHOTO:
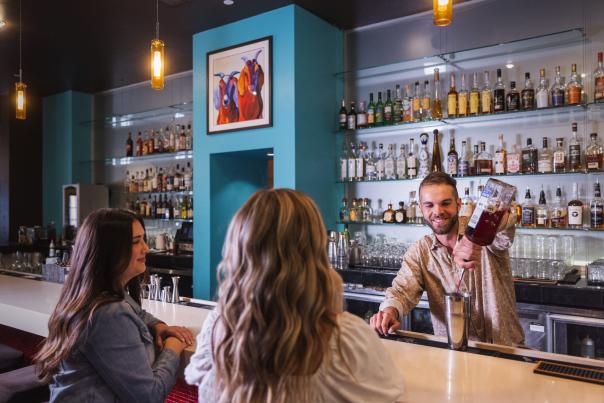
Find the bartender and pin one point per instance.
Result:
(435, 264)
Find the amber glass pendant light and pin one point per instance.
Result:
(157, 56)
(21, 105)
(443, 12)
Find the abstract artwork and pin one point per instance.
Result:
(239, 87)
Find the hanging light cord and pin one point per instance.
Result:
(20, 40)
(156, 19)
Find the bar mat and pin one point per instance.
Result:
(535, 281)
(575, 372)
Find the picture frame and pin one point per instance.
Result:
(239, 87)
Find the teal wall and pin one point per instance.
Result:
(66, 148)
(305, 57)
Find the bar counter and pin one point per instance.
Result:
(431, 374)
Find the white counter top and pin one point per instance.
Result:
(431, 374)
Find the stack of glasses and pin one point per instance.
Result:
(542, 257)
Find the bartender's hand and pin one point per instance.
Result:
(385, 321)
(467, 254)
(163, 331)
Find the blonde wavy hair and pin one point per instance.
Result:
(278, 300)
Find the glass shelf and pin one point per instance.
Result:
(464, 58)
(175, 111)
(560, 111)
(481, 177)
(166, 219)
(172, 193)
(119, 161)
(585, 229)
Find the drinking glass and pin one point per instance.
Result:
(553, 247)
(568, 247)
(539, 246)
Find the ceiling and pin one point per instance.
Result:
(91, 46)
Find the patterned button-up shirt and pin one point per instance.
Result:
(428, 266)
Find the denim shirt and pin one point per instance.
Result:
(114, 360)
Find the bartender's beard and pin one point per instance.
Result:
(443, 230)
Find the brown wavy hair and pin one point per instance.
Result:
(101, 253)
(278, 300)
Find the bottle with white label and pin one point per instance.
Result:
(465, 212)
(352, 163)
(380, 163)
(424, 156)
(513, 161)
(542, 93)
(361, 161)
(544, 163)
(575, 209)
(411, 161)
(401, 164)
(390, 163)
(500, 159)
(542, 210)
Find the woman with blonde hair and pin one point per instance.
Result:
(278, 333)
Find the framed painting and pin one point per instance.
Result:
(239, 87)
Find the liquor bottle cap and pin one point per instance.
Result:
(599, 56)
(529, 141)
(593, 135)
(574, 126)
(513, 84)
(527, 75)
(498, 72)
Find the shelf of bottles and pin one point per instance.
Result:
(396, 224)
(163, 157)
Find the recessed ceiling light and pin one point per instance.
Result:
(509, 65)
(2, 23)
(228, 2)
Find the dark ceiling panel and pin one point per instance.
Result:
(92, 46)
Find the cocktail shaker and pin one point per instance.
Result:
(457, 316)
(175, 294)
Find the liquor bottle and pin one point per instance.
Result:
(366, 211)
(545, 165)
(379, 111)
(397, 106)
(575, 209)
(401, 164)
(423, 156)
(574, 88)
(189, 137)
(436, 165)
(599, 80)
(407, 105)
(177, 178)
(452, 158)
(160, 180)
(464, 161)
(529, 158)
(559, 156)
(527, 96)
(558, 213)
(499, 94)
(452, 98)
(528, 218)
(474, 102)
(437, 112)
(352, 162)
(542, 94)
(426, 105)
(361, 116)
(500, 160)
(343, 116)
(360, 165)
(472, 160)
(370, 111)
(484, 161)
(516, 210)
(574, 151)
(343, 160)
(163, 141)
(380, 163)
(465, 211)
(411, 161)
(370, 158)
(417, 103)
(390, 163)
(344, 211)
(593, 154)
(462, 98)
(190, 209)
(388, 216)
(353, 212)
(129, 145)
(558, 89)
(171, 139)
(156, 141)
(182, 141)
(411, 208)
(184, 209)
(513, 98)
(486, 96)
(542, 211)
(596, 208)
(419, 216)
(378, 212)
(388, 119)
(351, 117)
(400, 215)
(139, 145)
(189, 177)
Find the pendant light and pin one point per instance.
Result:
(443, 12)
(157, 55)
(20, 85)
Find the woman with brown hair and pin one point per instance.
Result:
(278, 333)
(100, 346)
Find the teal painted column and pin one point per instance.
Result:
(66, 148)
(229, 167)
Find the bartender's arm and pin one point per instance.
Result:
(404, 294)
